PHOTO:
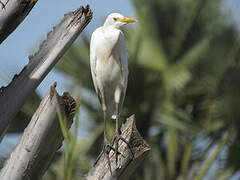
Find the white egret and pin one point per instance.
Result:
(109, 69)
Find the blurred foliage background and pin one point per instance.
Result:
(184, 87)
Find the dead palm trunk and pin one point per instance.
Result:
(129, 162)
(51, 50)
(41, 139)
(12, 13)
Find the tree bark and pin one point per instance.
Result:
(129, 163)
(41, 139)
(51, 50)
(12, 13)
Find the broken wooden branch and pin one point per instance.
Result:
(128, 163)
(12, 13)
(51, 50)
(41, 139)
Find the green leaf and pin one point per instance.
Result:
(171, 141)
(211, 158)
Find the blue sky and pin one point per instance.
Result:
(14, 51)
(26, 39)
(45, 14)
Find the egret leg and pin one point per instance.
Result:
(117, 131)
(118, 137)
(107, 147)
(105, 128)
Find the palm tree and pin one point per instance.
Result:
(183, 88)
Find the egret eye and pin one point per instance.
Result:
(115, 19)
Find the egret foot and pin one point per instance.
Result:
(107, 147)
(116, 139)
(3, 5)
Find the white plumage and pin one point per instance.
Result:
(109, 66)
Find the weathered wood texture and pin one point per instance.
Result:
(12, 13)
(41, 139)
(51, 50)
(128, 164)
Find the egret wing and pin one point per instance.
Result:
(123, 62)
(93, 63)
(123, 59)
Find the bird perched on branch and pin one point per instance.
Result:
(109, 69)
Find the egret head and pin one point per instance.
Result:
(117, 20)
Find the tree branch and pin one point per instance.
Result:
(51, 50)
(139, 148)
(12, 13)
(41, 139)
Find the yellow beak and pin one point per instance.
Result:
(126, 20)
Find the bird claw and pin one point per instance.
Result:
(116, 139)
(107, 147)
(3, 5)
